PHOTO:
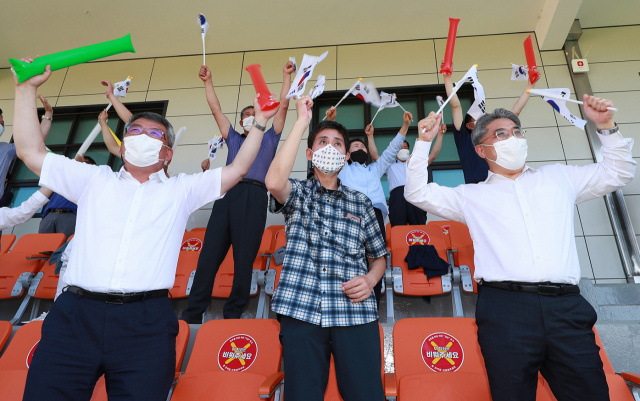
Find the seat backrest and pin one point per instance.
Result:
(5, 332)
(255, 341)
(415, 341)
(187, 261)
(332, 393)
(388, 234)
(6, 242)
(457, 237)
(199, 229)
(606, 363)
(30, 244)
(281, 240)
(404, 236)
(21, 348)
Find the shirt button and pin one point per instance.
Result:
(537, 257)
(527, 214)
(533, 235)
(323, 292)
(324, 269)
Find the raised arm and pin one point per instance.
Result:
(456, 108)
(214, 104)
(45, 124)
(277, 180)
(27, 134)
(389, 155)
(373, 149)
(234, 172)
(523, 99)
(120, 108)
(435, 149)
(109, 140)
(281, 115)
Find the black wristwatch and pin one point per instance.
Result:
(258, 126)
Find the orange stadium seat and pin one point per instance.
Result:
(272, 276)
(460, 242)
(187, 262)
(414, 282)
(6, 242)
(332, 393)
(19, 266)
(5, 332)
(14, 363)
(100, 390)
(233, 359)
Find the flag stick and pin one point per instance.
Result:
(374, 117)
(92, 136)
(554, 97)
(345, 96)
(204, 61)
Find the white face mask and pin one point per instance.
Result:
(510, 154)
(247, 123)
(328, 159)
(141, 150)
(1, 129)
(403, 154)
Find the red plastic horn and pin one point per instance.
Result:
(261, 87)
(451, 44)
(534, 74)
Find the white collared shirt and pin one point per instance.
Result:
(397, 175)
(522, 229)
(10, 217)
(128, 234)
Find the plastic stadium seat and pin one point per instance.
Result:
(332, 393)
(14, 363)
(16, 271)
(272, 277)
(100, 390)
(233, 359)
(421, 375)
(6, 242)
(459, 240)
(5, 332)
(187, 262)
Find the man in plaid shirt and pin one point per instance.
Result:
(335, 256)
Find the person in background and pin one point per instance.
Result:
(10, 217)
(239, 218)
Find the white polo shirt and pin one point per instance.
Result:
(128, 234)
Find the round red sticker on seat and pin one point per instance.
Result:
(442, 352)
(238, 353)
(30, 354)
(193, 244)
(418, 237)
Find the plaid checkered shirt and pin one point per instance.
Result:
(330, 235)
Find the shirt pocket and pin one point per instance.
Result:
(350, 233)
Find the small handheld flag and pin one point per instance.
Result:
(318, 88)
(304, 74)
(557, 98)
(215, 144)
(204, 27)
(519, 72)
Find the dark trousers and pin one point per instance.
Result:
(52, 223)
(377, 289)
(521, 333)
(307, 350)
(238, 219)
(133, 345)
(402, 212)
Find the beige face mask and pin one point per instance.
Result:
(403, 154)
(141, 150)
(328, 159)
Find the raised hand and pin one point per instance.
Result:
(33, 82)
(109, 91)
(428, 127)
(331, 114)
(407, 118)
(595, 109)
(264, 116)
(303, 107)
(206, 164)
(205, 73)
(102, 118)
(289, 68)
(443, 129)
(48, 110)
(369, 130)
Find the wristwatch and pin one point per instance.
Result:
(608, 131)
(258, 126)
(47, 118)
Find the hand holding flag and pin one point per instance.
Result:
(204, 27)
(304, 74)
(318, 88)
(557, 98)
(519, 72)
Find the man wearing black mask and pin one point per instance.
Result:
(365, 177)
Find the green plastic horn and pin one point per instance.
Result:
(72, 57)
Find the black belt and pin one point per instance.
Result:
(61, 211)
(117, 298)
(254, 182)
(549, 289)
(398, 187)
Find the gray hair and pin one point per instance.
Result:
(245, 109)
(480, 128)
(155, 117)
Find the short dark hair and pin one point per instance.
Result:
(357, 140)
(90, 160)
(408, 144)
(245, 109)
(328, 125)
(0, 112)
(467, 119)
(155, 117)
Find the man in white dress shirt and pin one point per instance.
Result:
(10, 217)
(529, 314)
(115, 317)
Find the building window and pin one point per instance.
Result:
(69, 129)
(355, 115)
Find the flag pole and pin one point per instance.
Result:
(204, 60)
(374, 117)
(345, 95)
(554, 97)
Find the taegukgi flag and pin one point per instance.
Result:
(215, 144)
(367, 92)
(519, 72)
(204, 25)
(478, 107)
(120, 89)
(305, 71)
(560, 105)
(318, 88)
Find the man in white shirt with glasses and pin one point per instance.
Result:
(530, 315)
(115, 317)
